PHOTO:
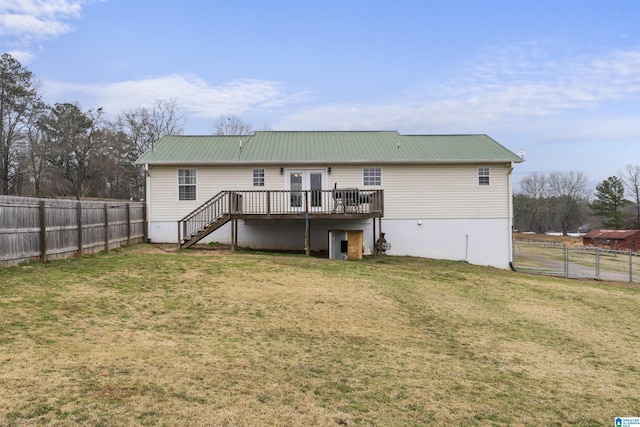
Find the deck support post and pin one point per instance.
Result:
(233, 235)
(378, 249)
(374, 236)
(235, 232)
(307, 234)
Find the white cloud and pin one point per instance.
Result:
(498, 95)
(31, 26)
(198, 98)
(23, 22)
(22, 56)
(500, 90)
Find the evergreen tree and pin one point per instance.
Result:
(609, 203)
(72, 145)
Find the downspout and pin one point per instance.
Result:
(510, 218)
(147, 196)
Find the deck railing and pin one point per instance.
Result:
(321, 202)
(278, 203)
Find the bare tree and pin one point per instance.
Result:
(18, 95)
(569, 195)
(631, 179)
(533, 202)
(144, 126)
(136, 131)
(34, 152)
(232, 125)
(166, 118)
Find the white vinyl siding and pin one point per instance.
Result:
(434, 191)
(163, 191)
(444, 192)
(410, 191)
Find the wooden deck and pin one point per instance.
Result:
(348, 203)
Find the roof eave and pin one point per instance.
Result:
(333, 162)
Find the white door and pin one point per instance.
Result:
(301, 180)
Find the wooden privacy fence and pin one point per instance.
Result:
(47, 229)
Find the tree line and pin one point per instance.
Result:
(562, 201)
(63, 150)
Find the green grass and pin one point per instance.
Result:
(140, 336)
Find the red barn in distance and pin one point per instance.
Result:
(622, 240)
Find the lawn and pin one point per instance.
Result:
(145, 336)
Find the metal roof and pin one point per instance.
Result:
(610, 234)
(317, 147)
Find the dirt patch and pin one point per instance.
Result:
(169, 248)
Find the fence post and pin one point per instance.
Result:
(79, 222)
(43, 232)
(630, 266)
(597, 263)
(566, 262)
(128, 223)
(106, 227)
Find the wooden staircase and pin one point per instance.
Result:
(339, 204)
(207, 218)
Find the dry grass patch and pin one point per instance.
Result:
(144, 336)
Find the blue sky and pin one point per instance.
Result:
(557, 78)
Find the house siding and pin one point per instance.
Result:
(477, 241)
(435, 211)
(434, 205)
(434, 191)
(444, 192)
(163, 194)
(411, 192)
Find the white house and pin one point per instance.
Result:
(436, 196)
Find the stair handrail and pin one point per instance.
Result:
(201, 217)
(203, 206)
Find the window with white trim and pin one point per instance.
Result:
(258, 177)
(186, 184)
(371, 176)
(483, 176)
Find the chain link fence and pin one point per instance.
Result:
(576, 262)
